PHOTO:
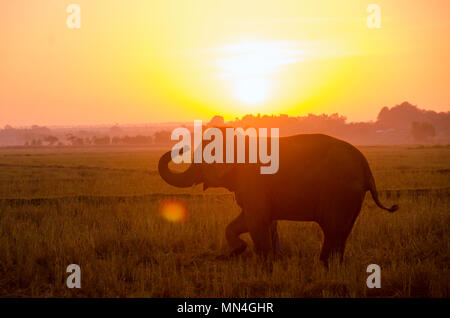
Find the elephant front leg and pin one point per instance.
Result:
(232, 232)
(265, 238)
(263, 230)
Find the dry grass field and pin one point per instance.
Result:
(98, 207)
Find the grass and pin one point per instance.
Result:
(126, 249)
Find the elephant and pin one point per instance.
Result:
(320, 179)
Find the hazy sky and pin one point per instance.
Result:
(147, 61)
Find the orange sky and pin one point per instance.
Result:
(149, 61)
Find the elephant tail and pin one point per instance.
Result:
(373, 191)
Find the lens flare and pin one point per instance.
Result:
(173, 211)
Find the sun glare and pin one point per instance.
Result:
(251, 90)
(248, 67)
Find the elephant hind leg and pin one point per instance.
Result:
(337, 223)
(232, 232)
(334, 244)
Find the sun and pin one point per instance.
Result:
(248, 68)
(252, 90)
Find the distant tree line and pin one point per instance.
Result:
(403, 123)
(71, 139)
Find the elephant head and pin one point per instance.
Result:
(220, 173)
(211, 175)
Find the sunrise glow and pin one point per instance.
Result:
(159, 61)
(248, 67)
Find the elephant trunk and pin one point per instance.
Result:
(183, 179)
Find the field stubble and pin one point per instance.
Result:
(99, 208)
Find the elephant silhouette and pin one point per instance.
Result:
(320, 179)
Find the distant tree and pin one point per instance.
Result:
(162, 137)
(51, 140)
(422, 131)
(36, 143)
(87, 141)
(40, 130)
(115, 130)
(74, 140)
(115, 140)
(140, 140)
(78, 142)
(401, 117)
(101, 140)
(217, 121)
(70, 137)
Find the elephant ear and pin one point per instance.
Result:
(225, 175)
(228, 176)
(223, 170)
